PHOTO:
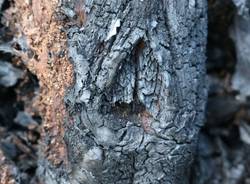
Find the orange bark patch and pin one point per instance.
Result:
(35, 20)
(146, 119)
(80, 11)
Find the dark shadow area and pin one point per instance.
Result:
(222, 154)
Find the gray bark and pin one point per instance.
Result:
(139, 94)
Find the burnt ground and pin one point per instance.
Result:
(19, 127)
(19, 122)
(224, 141)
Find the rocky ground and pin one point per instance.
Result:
(224, 141)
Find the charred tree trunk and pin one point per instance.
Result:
(138, 99)
(136, 104)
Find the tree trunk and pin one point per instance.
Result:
(136, 105)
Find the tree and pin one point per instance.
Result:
(136, 105)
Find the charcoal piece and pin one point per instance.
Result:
(245, 132)
(215, 86)
(24, 119)
(9, 75)
(1, 4)
(241, 35)
(220, 109)
(9, 149)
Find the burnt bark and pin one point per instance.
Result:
(138, 99)
(137, 103)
